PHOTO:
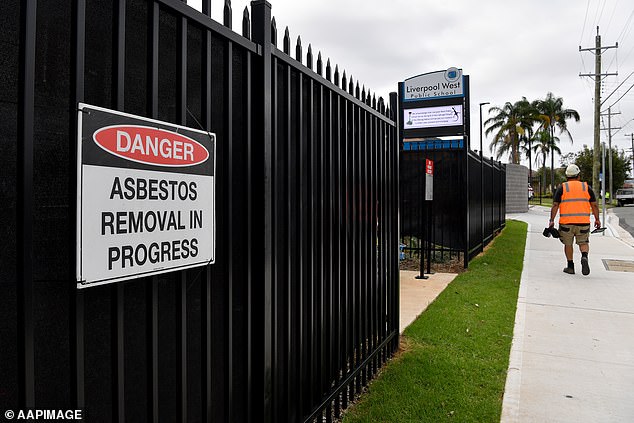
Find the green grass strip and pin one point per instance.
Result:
(454, 357)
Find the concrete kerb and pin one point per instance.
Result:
(511, 399)
(613, 222)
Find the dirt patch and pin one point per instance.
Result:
(455, 264)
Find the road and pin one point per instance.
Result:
(626, 217)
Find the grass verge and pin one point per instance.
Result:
(454, 357)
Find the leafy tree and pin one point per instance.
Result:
(621, 166)
(554, 116)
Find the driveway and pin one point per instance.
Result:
(626, 217)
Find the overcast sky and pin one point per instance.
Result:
(509, 48)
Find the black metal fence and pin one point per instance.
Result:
(300, 309)
(468, 207)
(487, 201)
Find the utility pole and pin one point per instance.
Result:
(597, 50)
(609, 128)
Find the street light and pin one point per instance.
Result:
(481, 181)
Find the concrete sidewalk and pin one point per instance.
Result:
(417, 294)
(572, 358)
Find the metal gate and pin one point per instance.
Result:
(301, 307)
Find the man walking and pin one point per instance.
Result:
(575, 200)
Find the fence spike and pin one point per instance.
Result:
(320, 64)
(368, 99)
(328, 70)
(374, 101)
(298, 49)
(274, 32)
(381, 106)
(206, 8)
(309, 57)
(287, 42)
(344, 81)
(388, 113)
(363, 94)
(227, 14)
(356, 90)
(246, 23)
(336, 76)
(351, 86)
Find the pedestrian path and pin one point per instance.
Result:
(417, 294)
(572, 358)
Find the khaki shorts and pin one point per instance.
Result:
(567, 233)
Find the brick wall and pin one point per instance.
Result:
(516, 188)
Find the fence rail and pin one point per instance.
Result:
(300, 309)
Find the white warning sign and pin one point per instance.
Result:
(146, 197)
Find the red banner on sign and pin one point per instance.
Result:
(429, 167)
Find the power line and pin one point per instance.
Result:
(626, 26)
(626, 78)
(585, 19)
(628, 90)
(596, 14)
(612, 15)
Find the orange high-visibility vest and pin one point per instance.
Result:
(575, 203)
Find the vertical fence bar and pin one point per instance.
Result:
(152, 289)
(320, 276)
(276, 298)
(330, 212)
(262, 177)
(350, 262)
(78, 38)
(373, 247)
(206, 291)
(249, 170)
(303, 236)
(228, 94)
(338, 206)
(365, 259)
(24, 280)
(389, 244)
(290, 251)
(346, 263)
(117, 293)
(394, 234)
(358, 243)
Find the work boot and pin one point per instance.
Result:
(569, 270)
(585, 268)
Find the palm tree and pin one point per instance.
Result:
(510, 121)
(544, 146)
(553, 115)
(526, 147)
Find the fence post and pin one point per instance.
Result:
(24, 206)
(262, 312)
